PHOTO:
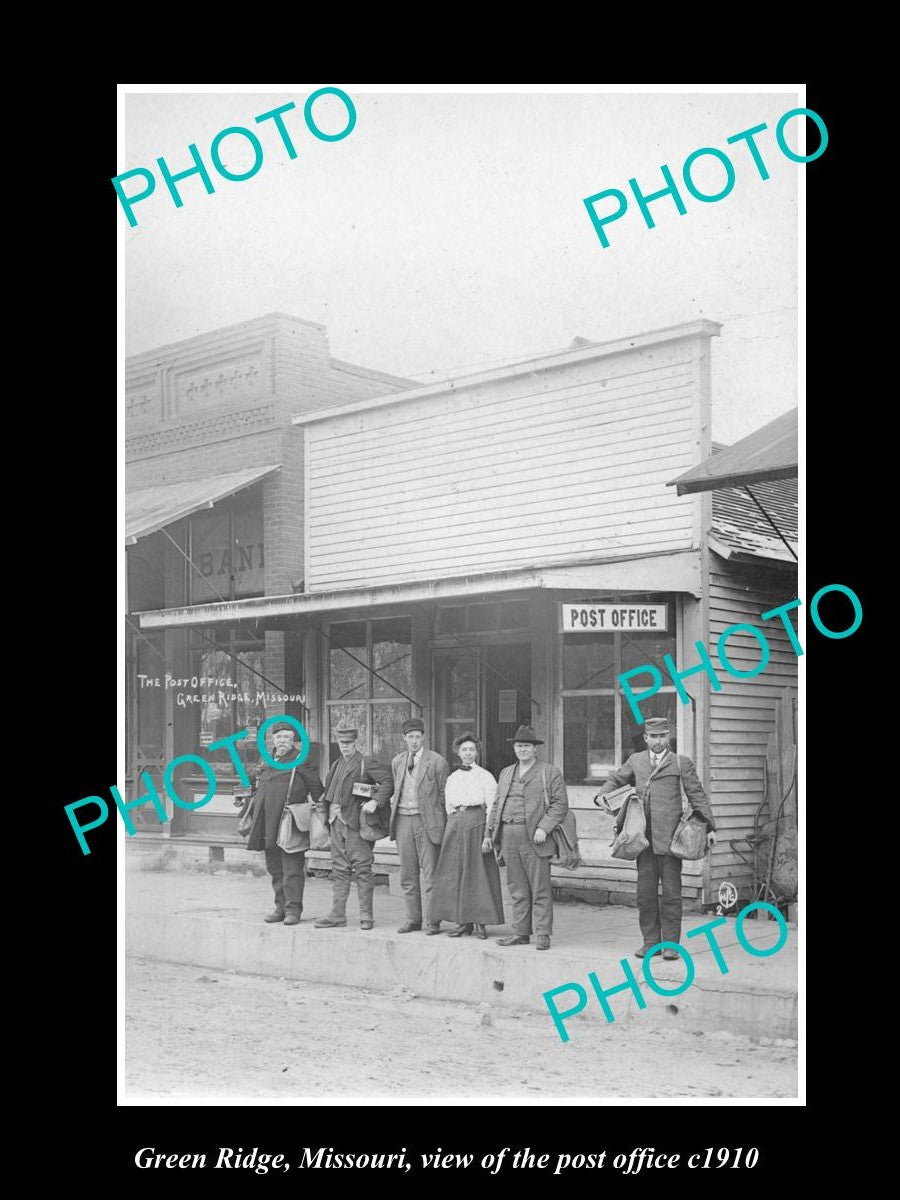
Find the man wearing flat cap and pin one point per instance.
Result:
(418, 817)
(531, 802)
(276, 788)
(356, 806)
(658, 777)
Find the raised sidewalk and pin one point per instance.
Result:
(212, 917)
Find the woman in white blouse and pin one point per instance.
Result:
(467, 881)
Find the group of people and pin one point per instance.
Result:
(453, 830)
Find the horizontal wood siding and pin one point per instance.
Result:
(742, 714)
(565, 464)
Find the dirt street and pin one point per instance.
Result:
(192, 1032)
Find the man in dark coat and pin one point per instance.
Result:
(658, 776)
(356, 821)
(531, 801)
(418, 818)
(276, 787)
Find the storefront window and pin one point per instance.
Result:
(351, 716)
(589, 737)
(348, 656)
(599, 729)
(392, 655)
(486, 617)
(227, 692)
(146, 730)
(588, 662)
(375, 704)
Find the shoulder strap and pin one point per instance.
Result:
(645, 795)
(287, 798)
(685, 807)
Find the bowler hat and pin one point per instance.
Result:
(412, 724)
(526, 734)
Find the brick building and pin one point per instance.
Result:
(214, 491)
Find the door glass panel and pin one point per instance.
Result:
(456, 688)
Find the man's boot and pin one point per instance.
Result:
(365, 889)
(339, 894)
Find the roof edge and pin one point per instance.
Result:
(545, 362)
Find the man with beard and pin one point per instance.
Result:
(276, 788)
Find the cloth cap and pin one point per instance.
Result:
(283, 727)
(657, 725)
(412, 724)
(346, 734)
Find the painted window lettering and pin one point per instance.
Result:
(153, 796)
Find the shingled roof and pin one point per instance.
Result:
(739, 530)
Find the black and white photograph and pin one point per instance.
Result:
(462, 655)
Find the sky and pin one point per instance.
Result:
(447, 232)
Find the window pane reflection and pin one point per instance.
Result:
(387, 731)
(347, 678)
(352, 716)
(588, 661)
(392, 658)
(589, 737)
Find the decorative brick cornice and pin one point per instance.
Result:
(217, 427)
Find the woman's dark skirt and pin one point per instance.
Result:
(467, 882)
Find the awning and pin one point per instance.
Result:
(149, 509)
(677, 571)
(769, 453)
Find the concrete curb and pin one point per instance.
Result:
(462, 969)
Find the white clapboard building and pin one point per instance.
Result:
(499, 548)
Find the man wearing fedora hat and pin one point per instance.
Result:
(277, 787)
(531, 802)
(658, 777)
(356, 821)
(418, 817)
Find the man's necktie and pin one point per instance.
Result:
(411, 765)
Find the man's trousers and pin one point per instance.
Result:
(660, 918)
(528, 880)
(350, 854)
(288, 873)
(417, 853)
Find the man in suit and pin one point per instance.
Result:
(658, 776)
(276, 787)
(531, 802)
(346, 813)
(418, 818)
